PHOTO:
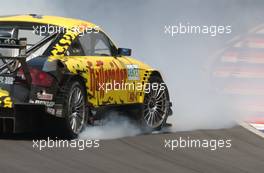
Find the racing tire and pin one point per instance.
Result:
(75, 109)
(156, 105)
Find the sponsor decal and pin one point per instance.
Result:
(51, 111)
(44, 96)
(6, 80)
(102, 75)
(132, 72)
(59, 112)
(43, 102)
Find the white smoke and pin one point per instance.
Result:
(114, 126)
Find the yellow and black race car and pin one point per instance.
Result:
(70, 70)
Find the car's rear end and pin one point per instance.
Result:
(27, 92)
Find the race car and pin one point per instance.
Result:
(70, 70)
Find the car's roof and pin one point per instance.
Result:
(52, 20)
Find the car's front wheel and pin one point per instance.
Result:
(156, 101)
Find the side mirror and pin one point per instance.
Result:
(124, 52)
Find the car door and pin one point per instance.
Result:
(106, 73)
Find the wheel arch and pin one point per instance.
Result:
(68, 77)
(156, 73)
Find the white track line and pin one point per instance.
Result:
(252, 129)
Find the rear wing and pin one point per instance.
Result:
(21, 45)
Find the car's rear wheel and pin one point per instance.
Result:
(74, 109)
(155, 108)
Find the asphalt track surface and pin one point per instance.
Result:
(145, 153)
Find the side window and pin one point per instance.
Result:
(96, 44)
(75, 49)
(101, 47)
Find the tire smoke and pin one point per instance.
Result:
(113, 126)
